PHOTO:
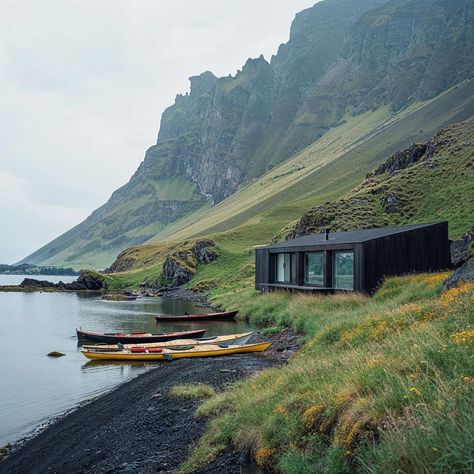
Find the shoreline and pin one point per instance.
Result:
(137, 426)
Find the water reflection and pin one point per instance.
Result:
(35, 387)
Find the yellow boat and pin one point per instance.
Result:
(158, 353)
(241, 338)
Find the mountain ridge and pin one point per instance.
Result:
(228, 131)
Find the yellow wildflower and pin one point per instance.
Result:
(312, 414)
(263, 455)
(463, 337)
(415, 391)
(280, 409)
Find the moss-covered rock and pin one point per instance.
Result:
(180, 266)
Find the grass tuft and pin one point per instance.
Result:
(192, 390)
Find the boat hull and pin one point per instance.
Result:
(137, 339)
(171, 355)
(225, 315)
(240, 339)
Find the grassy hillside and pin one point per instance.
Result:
(331, 166)
(325, 170)
(124, 221)
(437, 185)
(383, 384)
(438, 189)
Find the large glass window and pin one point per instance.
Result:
(314, 268)
(343, 270)
(285, 267)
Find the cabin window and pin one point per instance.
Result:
(285, 267)
(314, 268)
(343, 270)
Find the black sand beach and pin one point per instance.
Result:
(139, 427)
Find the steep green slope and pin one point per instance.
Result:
(326, 170)
(429, 181)
(345, 61)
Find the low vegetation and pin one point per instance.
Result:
(381, 384)
(192, 390)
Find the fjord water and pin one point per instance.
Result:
(34, 387)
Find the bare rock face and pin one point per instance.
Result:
(460, 249)
(405, 158)
(464, 274)
(180, 266)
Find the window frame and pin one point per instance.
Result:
(292, 270)
(334, 269)
(305, 266)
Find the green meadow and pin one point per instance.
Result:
(382, 384)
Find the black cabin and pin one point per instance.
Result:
(357, 260)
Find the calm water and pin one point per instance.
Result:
(34, 387)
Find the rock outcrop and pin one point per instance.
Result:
(406, 158)
(87, 280)
(463, 274)
(180, 266)
(461, 249)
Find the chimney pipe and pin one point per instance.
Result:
(327, 234)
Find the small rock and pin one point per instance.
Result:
(390, 203)
(56, 354)
(131, 467)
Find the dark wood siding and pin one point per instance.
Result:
(420, 250)
(262, 269)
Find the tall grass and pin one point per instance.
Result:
(381, 385)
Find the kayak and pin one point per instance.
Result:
(224, 315)
(178, 352)
(241, 338)
(136, 337)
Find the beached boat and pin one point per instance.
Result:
(136, 337)
(241, 338)
(224, 315)
(179, 352)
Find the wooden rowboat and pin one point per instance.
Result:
(241, 338)
(159, 354)
(224, 315)
(136, 337)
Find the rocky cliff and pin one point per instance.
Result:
(343, 57)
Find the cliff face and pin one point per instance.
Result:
(343, 57)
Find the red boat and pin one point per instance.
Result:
(225, 315)
(137, 337)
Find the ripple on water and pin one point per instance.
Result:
(36, 387)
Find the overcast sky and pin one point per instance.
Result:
(82, 88)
